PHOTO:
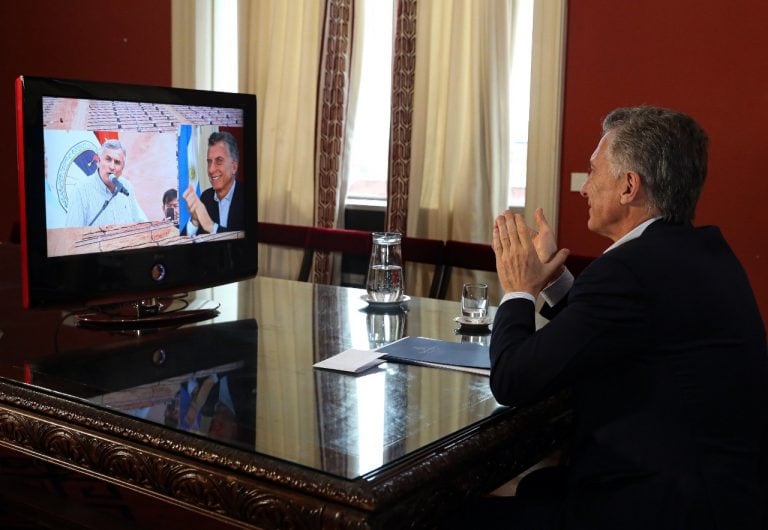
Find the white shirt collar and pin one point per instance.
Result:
(230, 193)
(632, 234)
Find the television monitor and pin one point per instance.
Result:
(102, 167)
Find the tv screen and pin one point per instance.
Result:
(128, 192)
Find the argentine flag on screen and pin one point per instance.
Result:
(188, 170)
(193, 170)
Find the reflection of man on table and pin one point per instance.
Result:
(105, 198)
(221, 207)
(209, 402)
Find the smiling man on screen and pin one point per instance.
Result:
(220, 208)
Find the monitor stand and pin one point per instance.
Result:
(147, 314)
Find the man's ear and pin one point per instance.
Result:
(632, 188)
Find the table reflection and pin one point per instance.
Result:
(251, 383)
(385, 327)
(199, 379)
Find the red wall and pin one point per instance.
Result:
(707, 58)
(100, 40)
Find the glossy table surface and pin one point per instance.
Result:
(246, 378)
(230, 418)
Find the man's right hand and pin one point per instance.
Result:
(518, 260)
(192, 201)
(197, 210)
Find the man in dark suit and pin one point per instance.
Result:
(660, 340)
(220, 208)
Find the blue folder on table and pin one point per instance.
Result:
(425, 351)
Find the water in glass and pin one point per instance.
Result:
(385, 271)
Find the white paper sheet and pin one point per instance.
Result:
(351, 360)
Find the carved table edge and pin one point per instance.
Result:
(234, 484)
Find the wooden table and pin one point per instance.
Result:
(277, 443)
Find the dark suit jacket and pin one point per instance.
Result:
(236, 219)
(664, 347)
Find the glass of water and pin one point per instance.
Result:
(385, 271)
(474, 301)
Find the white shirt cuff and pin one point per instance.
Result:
(517, 294)
(558, 289)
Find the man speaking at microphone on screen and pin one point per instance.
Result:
(104, 198)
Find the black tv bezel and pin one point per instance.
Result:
(124, 275)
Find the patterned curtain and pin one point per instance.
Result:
(403, 75)
(333, 97)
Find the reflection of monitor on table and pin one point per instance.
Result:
(170, 378)
(103, 169)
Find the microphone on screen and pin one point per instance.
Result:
(118, 185)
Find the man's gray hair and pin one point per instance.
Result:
(668, 149)
(228, 140)
(113, 144)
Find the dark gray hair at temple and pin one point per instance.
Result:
(229, 141)
(668, 149)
